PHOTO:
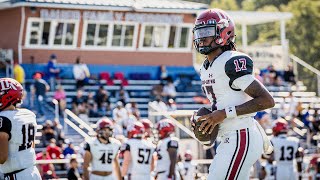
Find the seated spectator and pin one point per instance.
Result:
(103, 101)
(289, 75)
(169, 90)
(123, 96)
(73, 172)
(47, 170)
(79, 104)
(157, 90)
(53, 150)
(171, 105)
(159, 104)
(47, 133)
(53, 71)
(60, 96)
(69, 150)
(81, 73)
(57, 127)
(133, 109)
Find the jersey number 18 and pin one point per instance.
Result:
(28, 130)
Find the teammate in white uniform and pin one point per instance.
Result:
(102, 153)
(229, 84)
(189, 167)
(268, 170)
(138, 161)
(17, 133)
(286, 152)
(167, 151)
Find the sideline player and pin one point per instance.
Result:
(17, 133)
(229, 84)
(167, 151)
(286, 152)
(137, 161)
(102, 153)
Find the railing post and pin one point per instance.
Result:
(56, 109)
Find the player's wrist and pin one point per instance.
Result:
(230, 112)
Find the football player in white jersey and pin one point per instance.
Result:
(190, 168)
(17, 133)
(138, 161)
(229, 84)
(102, 153)
(167, 151)
(268, 170)
(286, 152)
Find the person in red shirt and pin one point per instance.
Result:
(53, 150)
(47, 169)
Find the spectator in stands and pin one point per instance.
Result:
(163, 73)
(79, 103)
(122, 95)
(169, 90)
(73, 172)
(40, 89)
(18, 73)
(119, 114)
(159, 104)
(81, 73)
(57, 127)
(53, 150)
(47, 170)
(53, 71)
(60, 96)
(257, 75)
(289, 75)
(264, 119)
(103, 101)
(133, 109)
(171, 105)
(293, 103)
(69, 150)
(47, 133)
(156, 90)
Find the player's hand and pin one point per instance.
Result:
(211, 120)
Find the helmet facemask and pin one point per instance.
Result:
(105, 133)
(200, 32)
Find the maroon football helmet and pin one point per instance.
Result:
(280, 127)
(214, 23)
(147, 127)
(11, 92)
(165, 127)
(104, 128)
(135, 130)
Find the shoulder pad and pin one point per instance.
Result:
(238, 66)
(173, 144)
(114, 141)
(125, 147)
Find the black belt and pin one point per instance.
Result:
(160, 172)
(12, 175)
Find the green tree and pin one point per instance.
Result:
(304, 35)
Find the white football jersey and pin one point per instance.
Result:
(285, 149)
(224, 81)
(21, 125)
(190, 170)
(141, 156)
(103, 154)
(270, 171)
(163, 161)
